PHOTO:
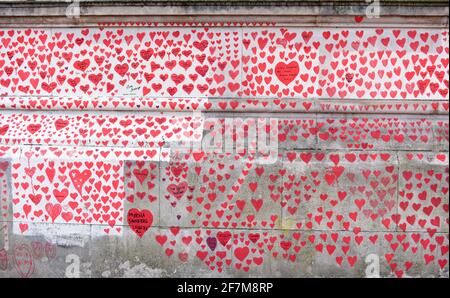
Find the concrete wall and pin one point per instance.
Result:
(118, 156)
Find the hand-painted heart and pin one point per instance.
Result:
(177, 190)
(23, 260)
(286, 73)
(140, 220)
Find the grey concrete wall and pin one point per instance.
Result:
(124, 153)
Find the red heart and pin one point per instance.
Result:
(286, 73)
(140, 220)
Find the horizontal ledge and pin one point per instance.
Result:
(241, 105)
(168, 227)
(230, 7)
(223, 20)
(159, 227)
(44, 13)
(229, 2)
(162, 154)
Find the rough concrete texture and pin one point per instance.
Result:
(124, 152)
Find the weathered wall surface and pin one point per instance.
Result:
(117, 150)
